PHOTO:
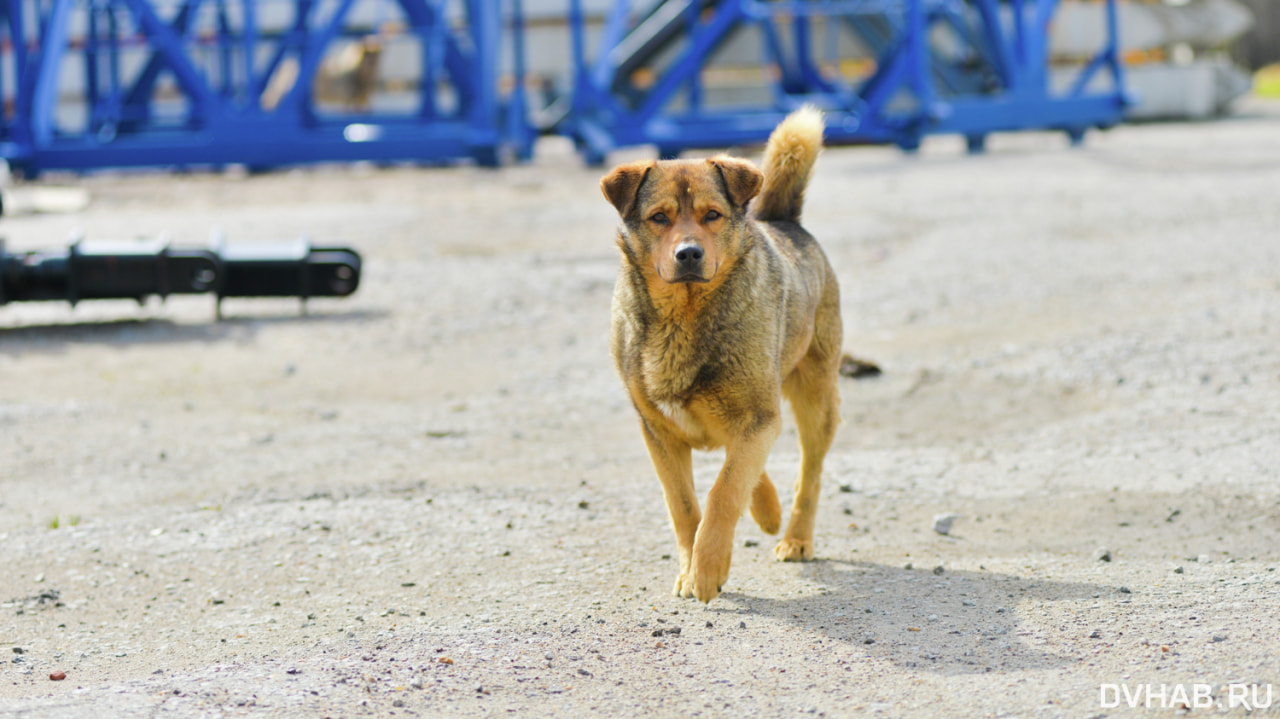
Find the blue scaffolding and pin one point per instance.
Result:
(179, 83)
(117, 83)
(970, 67)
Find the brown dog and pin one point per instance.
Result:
(719, 311)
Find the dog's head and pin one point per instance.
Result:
(685, 219)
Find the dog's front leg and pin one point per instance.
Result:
(672, 460)
(745, 457)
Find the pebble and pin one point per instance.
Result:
(1177, 570)
(742, 625)
(939, 569)
(1096, 634)
(59, 676)
(942, 522)
(750, 543)
(1102, 554)
(1219, 638)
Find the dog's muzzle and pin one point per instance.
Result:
(688, 258)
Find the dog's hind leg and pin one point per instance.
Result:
(764, 506)
(815, 399)
(673, 461)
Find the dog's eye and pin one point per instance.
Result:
(658, 218)
(711, 215)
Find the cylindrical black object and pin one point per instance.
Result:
(94, 271)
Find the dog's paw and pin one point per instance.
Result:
(710, 572)
(706, 587)
(793, 550)
(684, 586)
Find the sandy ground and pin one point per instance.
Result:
(432, 499)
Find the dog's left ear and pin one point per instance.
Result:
(621, 186)
(742, 178)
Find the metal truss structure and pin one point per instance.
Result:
(117, 83)
(970, 67)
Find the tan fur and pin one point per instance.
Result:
(788, 160)
(707, 352)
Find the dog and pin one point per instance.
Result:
(724, 305)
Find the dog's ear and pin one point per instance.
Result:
(742, 178)
(621, 186)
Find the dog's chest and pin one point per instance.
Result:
(674, 373)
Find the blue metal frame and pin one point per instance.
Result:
(1002, 82)
(221, 61)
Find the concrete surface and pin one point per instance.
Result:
(433, 499)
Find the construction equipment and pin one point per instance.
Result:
(114, 83)
(115, 270)
(970, 67)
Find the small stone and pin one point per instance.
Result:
(583, 504)
(416, 683)
(584, 672)
(1102, 554)
(933, 617)
(1219, 638)
(1177, 570)
(858, 368)
(657, 633)
(942, 522)
(750, 543)
(549, 656)
(479, 688)
(18, 650)
(674, 630)
(1125, 590)
(444, 660)
(908, 566)
(846, 488)
(398, 703)
(939, 570)
(742, 625)
(1096, 634)
(710, 625)
(59, 676)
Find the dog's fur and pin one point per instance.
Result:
(708, 348)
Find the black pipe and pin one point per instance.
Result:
(87, 271)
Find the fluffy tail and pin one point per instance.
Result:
(788, 159)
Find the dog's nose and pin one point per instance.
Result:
(689, 254)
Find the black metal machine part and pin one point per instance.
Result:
(94, 271)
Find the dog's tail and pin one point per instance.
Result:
(788, 159)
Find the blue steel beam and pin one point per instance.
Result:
(997, 82)
(214, 59)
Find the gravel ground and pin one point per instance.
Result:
(432, 499)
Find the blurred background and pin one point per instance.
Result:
(89, 84)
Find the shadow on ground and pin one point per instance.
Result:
(925, 618)
(55, 337)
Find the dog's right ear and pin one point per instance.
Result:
(622, 185)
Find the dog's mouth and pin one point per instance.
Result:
(689, 278)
